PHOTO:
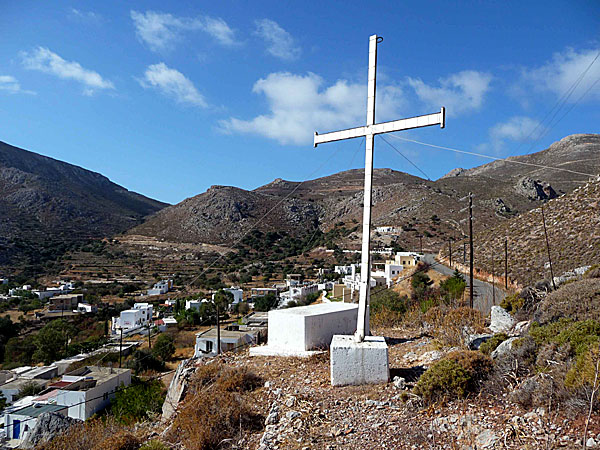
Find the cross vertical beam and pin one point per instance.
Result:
(369, 131)
(362, 324)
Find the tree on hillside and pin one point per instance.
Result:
(452, 288)
(266, 302)
(420, 285)
(164, 347)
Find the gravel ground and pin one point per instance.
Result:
(303, 410)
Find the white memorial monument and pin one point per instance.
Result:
(362, 359)
(306, 330)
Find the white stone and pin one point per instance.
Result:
(504, 348)
(305, 330)
(501, 320)
(358, 363)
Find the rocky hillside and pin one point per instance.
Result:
(573, 224)
(47, 205)
(417, 206)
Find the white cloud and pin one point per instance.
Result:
(460, 92)
(47, 61)
(565, 68)
(301, 104)
(85, 16)
(172, 83)
(12, 86)
(280, 43)
(517, 128)
(160, 30)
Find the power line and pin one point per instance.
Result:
(456, 150)
(559, 103)
(400, 153)
(255, 224)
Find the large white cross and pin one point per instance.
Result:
(369, 131)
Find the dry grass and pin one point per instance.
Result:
(216, 408)
(96, 434)
(451, 325)
(579, 300)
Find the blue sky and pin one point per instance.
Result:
(169, 98)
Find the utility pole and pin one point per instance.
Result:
(149, 341)
(450, 251)
(548, 248)
(218, 330)
(471, 249)
(464, 253)
(120, 346)
(506, 263)
(493, 280)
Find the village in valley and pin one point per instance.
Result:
(367, 305)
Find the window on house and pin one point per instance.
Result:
(209, 346)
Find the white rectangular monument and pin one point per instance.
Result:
(304, 330)
(363, 362)
(361, 358)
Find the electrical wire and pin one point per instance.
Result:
(511, 161)
(400, 153)
(559, 103)
(259, 221)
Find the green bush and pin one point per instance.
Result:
(579, 335)
(456, 376)
(491, 344)
(138, 401)
(512, 303)
(154, 444)
(164, 347)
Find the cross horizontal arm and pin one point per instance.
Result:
(339, 135)
(428, 120)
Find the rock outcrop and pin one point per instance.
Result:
(47, 426)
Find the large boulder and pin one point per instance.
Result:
(501, 320)
(47, 426)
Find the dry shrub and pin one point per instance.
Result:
(578, 301)
(451, 325)
(120, 441)
(491, 344)
(458, 375)
(385, 317)
(95, 434)
(593, 272)
(216, 408)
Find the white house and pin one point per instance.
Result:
(11, 389)
(19, 423)
(386, 229)
(86, 308)
(162, 287)
(300, 292)
(194, 304)
(238, 294)
(206, 342)
(138, 317)
(343, 270)
(87, 390)
(3, 280)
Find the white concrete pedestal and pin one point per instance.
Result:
(306, 330)
(359, 362)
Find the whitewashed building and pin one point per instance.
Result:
(138, 317)
(88, 390)
(206, 342)
(162, 287)
(18, 423)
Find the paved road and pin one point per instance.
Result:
(483, 292)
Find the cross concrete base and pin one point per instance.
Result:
(359, 362)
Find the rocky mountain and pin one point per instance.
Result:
(420, 207)
(48, 205)
(573, 227)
